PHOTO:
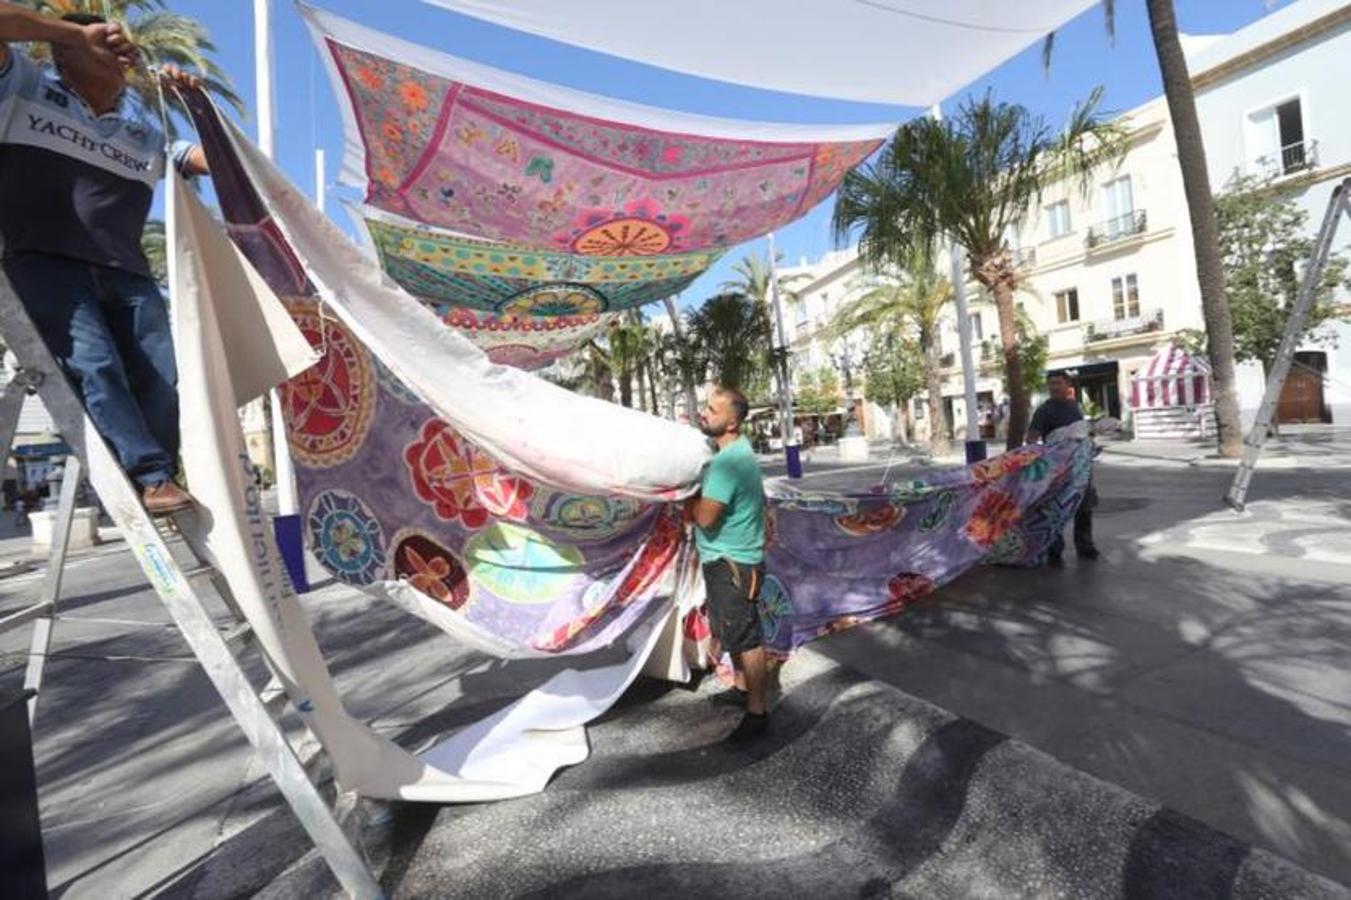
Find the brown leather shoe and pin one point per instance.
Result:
(165, 498)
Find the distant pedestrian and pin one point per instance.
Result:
(1057, 412)
(729, 534)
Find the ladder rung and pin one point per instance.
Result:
(273, 697)
(237, 633)
(26, 615)
(196, 572)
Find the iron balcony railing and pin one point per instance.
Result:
(1107, 329)
(1291, 158)
(1116, 229)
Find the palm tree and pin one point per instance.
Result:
(967, 180)
(1191, 158)
(753, 274)
(912, 299)
(161, 36)
(732, 331)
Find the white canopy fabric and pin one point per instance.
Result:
(905, 52)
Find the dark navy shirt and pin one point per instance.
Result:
(1055, 414)
(73, 183)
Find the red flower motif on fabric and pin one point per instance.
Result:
(904, 589)
(871, 521)
(997, 467)
(460, 482)
(996, 513)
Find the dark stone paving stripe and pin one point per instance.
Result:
(803, 706)
(1174, 857)
(906, 831)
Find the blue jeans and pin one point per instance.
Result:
(109, 330)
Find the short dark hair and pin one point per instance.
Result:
(84, 19)
(741, 407)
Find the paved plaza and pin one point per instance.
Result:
(1171, 720)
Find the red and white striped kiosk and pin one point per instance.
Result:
(1170, 396)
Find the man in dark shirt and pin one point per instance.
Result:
(1057, 412)
(80, 155)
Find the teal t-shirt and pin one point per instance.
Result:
(733, 479)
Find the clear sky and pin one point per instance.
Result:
(307, 113)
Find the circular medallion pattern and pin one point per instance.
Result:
(430, 567)
(329, 406)
(519, 565)
(460, 482)
(347, 537)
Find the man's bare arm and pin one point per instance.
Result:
(106, 40)
(704, 512)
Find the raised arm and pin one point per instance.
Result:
(106, 41)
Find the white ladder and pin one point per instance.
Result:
(177, 587)
(1339, 204)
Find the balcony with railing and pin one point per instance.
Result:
(1291, 159)
(1110, 329)
(1116, 229)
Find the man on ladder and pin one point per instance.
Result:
(80, 155)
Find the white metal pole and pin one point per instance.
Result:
(790, 450)
(320, 179)
(975, 447)
(287, 504)
(964, 337)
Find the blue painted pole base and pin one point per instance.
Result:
(292, 547)
(792, 453)
(975, 451)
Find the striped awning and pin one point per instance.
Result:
(1172, 377)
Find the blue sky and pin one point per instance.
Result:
(307, 113)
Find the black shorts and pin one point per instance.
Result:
(733, 591)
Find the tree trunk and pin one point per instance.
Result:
(933, 379)
(602, 383)
(687, 380)
(1191, 155)
(902, 421)
(626, 385)
(640, 376)
(652, 387)
(1002, 289)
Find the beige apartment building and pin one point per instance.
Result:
(1109, 280)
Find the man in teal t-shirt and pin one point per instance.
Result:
(729, 519)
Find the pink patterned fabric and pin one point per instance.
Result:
(465, 158)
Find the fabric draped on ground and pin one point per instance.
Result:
(527, 520)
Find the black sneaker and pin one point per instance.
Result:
(753, 727)
(733, 696)
(1055, 560)
(1089, 553)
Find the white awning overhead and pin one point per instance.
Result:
(903, 52)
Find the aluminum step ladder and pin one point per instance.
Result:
(181, 590)
(1339, 204)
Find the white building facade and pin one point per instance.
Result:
(1272, 102)
(1110, 272)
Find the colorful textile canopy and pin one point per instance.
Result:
(514, 281)
(486, 153)
(905, 52)
(526, 342)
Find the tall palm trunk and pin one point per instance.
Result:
(1002, 290)
(652, 386)
(1191, 155)
(626, 384)
(686, 378)
(933, 379)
